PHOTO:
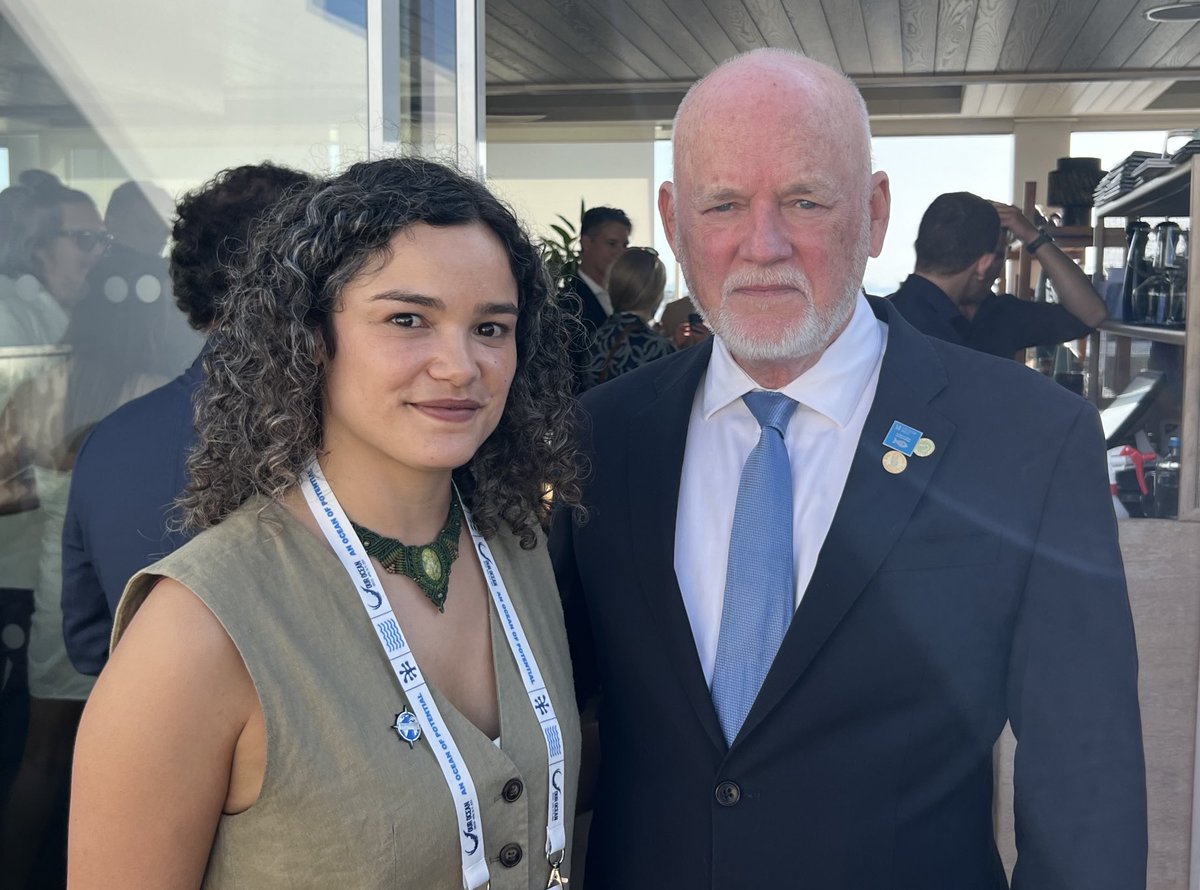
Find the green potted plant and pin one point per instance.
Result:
(561, 252)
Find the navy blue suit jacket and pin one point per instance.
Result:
(982, 584)
(129, 470)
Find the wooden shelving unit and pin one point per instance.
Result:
(1172, 194)
(1174, 336)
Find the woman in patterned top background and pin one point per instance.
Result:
(626, 341)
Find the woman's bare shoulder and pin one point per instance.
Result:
(156, 744)
(174, 640)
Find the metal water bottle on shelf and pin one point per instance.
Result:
(1135, 298)
(1152, 300)
(1177, 317)
(1168, 303)
(1166, 482)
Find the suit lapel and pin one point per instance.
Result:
(664, 421)
(874, 508)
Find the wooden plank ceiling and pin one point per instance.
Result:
(575, 60)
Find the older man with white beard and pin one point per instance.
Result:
(827, 557)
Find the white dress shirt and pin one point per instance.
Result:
(599, 292)
(834, 397)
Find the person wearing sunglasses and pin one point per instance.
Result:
(43, 278)
(136, 456)
(87, 240)
(50, 238)
(111, 352)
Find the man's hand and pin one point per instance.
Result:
(1075, 291)
(1016, 222)
(690, 334)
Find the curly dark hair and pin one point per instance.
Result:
(211, 226)
(259, 415)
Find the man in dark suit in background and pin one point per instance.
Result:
(603, 236)
(828, 557)
(131, 467)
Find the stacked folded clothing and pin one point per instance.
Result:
(1123, 177)
(1150, 168)
(1186, 152)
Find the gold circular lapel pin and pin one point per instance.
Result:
(895, 462)
(925, 447)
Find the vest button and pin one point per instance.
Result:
(510, 855)
(512, 790)
(728, 794)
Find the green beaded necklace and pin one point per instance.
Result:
(427, 564)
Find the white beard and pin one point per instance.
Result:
(799, 333)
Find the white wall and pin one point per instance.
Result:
(543, 180)
(1037, 147)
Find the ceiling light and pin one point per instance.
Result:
(1184, 11)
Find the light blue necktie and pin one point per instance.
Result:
(760, 582)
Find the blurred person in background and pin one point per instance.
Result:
(114, 356)
(50, 238)
(625, 340)
(137, 217)
(135, 457)
(682, 322)
(603, 236)
(961, 246)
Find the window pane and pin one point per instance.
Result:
(1112, 147)
(93, 95)
(919, 169)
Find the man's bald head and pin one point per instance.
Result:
(817, 94)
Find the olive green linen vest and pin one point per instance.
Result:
(345, 802)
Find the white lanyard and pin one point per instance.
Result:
(341, 536)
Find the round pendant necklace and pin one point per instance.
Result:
(427, 564)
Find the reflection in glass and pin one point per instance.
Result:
(416, 81)
(123, 107)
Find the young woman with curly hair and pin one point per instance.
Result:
(280, 708)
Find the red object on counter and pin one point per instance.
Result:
(1138, 459)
